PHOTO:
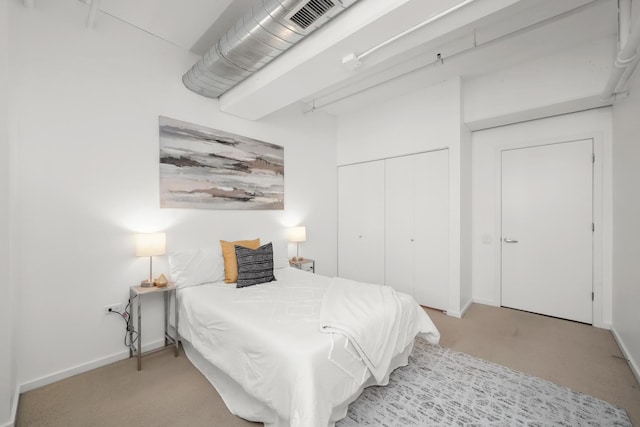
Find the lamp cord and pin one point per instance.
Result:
(129, 328)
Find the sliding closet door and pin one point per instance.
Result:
(399, 219)
(431, 229)
(361, 222)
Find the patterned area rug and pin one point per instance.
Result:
(441, 387)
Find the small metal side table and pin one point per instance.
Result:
(138, 292)
(305, 264)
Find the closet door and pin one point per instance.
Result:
(431, 229)
(399, 224)
(361, 222)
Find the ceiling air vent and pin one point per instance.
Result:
(263, 33)
(311, 12)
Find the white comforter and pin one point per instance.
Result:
(268, 340)
(375, 320)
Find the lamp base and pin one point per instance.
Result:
(147, 283)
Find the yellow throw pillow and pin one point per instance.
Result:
(230, 260)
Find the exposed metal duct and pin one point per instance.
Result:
(270, 28)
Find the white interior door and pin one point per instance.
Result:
(361, 222)
(547, 229)
(399, 213)
(431, 229)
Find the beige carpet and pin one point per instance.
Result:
(170, 392)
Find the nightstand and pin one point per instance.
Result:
(304, 264)
(139, 292)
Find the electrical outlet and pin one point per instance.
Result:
(113, 307)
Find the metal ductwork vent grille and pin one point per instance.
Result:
(267, 30)
(310, 12)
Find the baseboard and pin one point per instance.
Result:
(632, 363)
(486, 302)
(465, 308)
(66, 373)
(602, 325)
(458, 314)
(461, 313)
(14, 409)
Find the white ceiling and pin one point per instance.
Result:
(482, 36)
(192, 24)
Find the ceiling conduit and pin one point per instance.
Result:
(267, 30)
(627, 58)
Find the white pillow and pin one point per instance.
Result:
(196, 266)
(280, 254)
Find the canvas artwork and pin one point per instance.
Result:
(207, 168)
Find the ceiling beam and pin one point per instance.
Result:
(94, 6)
(484, 46)
(315, 63)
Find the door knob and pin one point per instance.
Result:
(507, 240)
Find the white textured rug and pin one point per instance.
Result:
(441, 387)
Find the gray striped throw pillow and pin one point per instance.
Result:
(254, 265)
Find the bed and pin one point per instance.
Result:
(291, 352)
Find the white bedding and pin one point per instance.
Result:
(355, 309)
(267, 339)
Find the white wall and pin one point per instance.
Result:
(428, 118)
(543, 87)
(86, 110)
(7, 289)
(561, 83)
(466, 217)
(486, 198)
(626, 223)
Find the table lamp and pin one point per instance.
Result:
(150, 244)
(297, 235)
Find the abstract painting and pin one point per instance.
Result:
(207, 168)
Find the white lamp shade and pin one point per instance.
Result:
(151, 244)
(297, 234)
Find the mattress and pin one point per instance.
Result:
(262, 348)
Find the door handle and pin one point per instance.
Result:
(507, 240)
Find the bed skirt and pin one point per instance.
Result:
(242, 404)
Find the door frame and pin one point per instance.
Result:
(597, 211)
